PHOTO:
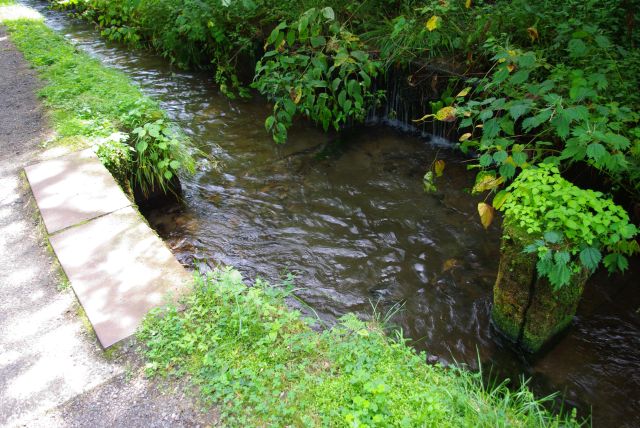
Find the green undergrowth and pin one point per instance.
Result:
(262, 364)
(542, 80)
(91, 104)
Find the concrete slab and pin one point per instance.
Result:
(119, 269)
(73, 189)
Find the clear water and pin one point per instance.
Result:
(350, 219)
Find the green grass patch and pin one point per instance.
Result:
(92, 104)
(264, 365)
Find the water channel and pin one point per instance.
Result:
(351, 221)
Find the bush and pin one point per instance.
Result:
(318, 69)
(570, 227)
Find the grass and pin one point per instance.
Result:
(86, 99)
(91, 104)
(264, 365)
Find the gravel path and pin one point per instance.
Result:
(52, 370)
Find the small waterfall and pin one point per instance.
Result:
(410, 93)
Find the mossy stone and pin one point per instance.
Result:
(526, 309)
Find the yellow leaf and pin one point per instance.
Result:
(298, 95)
(449, 264)
(423, 118)
(446, 114)
(487, 182)
(511, 67)
(433, 23)
(439, 167)
(486, 212)
(533, 33)
(463, 93)
(465, 137)
(467, 4)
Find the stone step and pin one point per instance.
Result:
(74, 188)
(117, 265)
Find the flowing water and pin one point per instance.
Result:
(349, 218)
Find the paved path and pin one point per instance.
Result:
(46, 354)
(53, 372)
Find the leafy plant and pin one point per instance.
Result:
(318, 69)
(117, 156)
(263, 365)
(93, 104)
(159, 158)
(528, 110)
(571, 228)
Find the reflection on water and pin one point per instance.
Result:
(350, 219)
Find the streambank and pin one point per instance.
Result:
(54, 372)
(539, 414)
(321, 218)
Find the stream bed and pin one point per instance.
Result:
(350, 220)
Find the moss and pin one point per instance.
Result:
(551, 311)
(512, 287)
(526, 309)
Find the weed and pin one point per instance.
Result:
(92, 104)
(264, 366)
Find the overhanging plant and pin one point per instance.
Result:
(317, 69)
(571, 228)
(555, 235)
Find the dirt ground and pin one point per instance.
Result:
(53, 372)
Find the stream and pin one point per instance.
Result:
(350, 220)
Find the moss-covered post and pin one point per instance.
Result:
(553, 238)
(526, 308)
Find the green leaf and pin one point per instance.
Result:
(317, 41)
(595, 151)
(602, 42)
(291, 37)
(289, 107)
(142, 146)
(486, 159)
(268, 123)
(519, 108)
(618, 142)
(507, 170)
(499, 199)
(491, 128)
(360, 55)
(174, 164)
(590, 257)
(328, 13)
(506, 125)
(559, 275)
(342, 97)
(519, 158)
(562, 257)
(577, 48)
(552, 236)
(615, 262)
(537, 120)
(500, 156)
(519, 77)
